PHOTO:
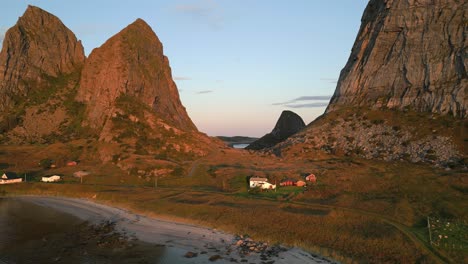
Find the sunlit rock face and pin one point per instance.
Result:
(409, 54)
(37, 49)
(131, 63)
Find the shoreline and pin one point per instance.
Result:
(178, 238)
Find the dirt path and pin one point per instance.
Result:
(196, 163)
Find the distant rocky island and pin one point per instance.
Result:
(287, 125)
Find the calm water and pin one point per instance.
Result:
(239, 146)
(34, 234)
(21, 221)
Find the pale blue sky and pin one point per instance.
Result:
(237, 63)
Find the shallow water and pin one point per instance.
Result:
(240, 146)
(31, 233)
(21, 222)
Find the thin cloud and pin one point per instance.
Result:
(182, 78)
(309, 105)
(204, 92)
(313, 98)
(206, 11)
(294, 102)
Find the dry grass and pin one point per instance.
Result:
(346, 215)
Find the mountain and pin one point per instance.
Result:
(38, 47)
(133, 105)
(408, 55)
(403, 92)
(120, 104)
(288, 124)
(40, 58)
(131, 63)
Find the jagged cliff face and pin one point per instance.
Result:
(131, 63)
(288, 124)
(37, 49)
(409, 54)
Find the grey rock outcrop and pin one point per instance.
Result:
(409, 54)
(355, 134)
(403, 92)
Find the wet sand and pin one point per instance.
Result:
(176, 238)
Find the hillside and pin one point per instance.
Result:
(403, 92)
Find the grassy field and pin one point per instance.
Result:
(359, 210)
(449, 236)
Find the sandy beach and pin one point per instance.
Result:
(177, 238)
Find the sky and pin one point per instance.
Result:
(237, 64)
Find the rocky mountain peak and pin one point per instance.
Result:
(408, 55)
(131, 64)
(37, 48)
(288, 124)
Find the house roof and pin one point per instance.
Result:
(9, 175)
(289, 179)
(258, 179)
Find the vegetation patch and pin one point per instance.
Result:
(307, 211)
(448, 233)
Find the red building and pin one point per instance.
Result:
(311, 178)
(288, 182)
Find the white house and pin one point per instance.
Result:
(8, 178)
(54, 178)
(262, 183)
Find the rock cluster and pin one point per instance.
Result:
(288, 124)
(377, 139)
(246, 246)
(409, 54)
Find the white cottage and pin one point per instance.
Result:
(54, 178)
(262, 183)
(9, 178)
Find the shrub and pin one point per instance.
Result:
(45, 163)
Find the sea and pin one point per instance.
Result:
(240, 146)
(30, 233)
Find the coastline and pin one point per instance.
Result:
(178, 238)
